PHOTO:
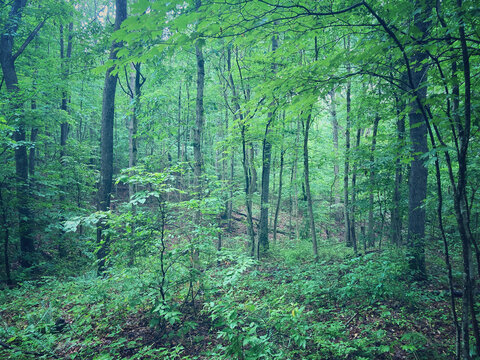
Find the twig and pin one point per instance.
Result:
(350, 320)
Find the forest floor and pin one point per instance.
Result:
(284, 307)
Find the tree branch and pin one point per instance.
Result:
(28, 39)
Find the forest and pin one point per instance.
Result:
(239, 179)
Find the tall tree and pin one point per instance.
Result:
(65, 58)
(396, 222)
(7, 61)
(106, 140)
(199, 110)
(336, 170)
(417, 183)
(346, 203)
(371, 235)
(308, 193)
(263, 243)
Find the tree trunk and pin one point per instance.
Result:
(353, 234)
(6, 237)
(396, 222)
(135, 93)
(279, 197)
(33, 136)
(307, 185)
(336, 168)
(460, 206)
(371, 234)
(263, 243)
(417, 184)
(106, 141)
(64, 58)
(246, 172)
(64, 128)
(348, 238)
(179, 121)
(253, 170)
(7, 61)
(199, 117)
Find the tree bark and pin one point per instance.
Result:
(396, 222)
(199, 116)
(336, 168)
(179, 123)
(106, 141)
(135, 93)
(263, 243)
(353, 234)
(64, 58)
(279, 197)
(461, 208)
(7, 61)
(346, 204)
(311, 217)
(371, 234)
(246, 173)
(6, 237)
(253, 170)
(417, 184)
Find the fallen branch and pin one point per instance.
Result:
(36, 354)
(350, 320)
(255, 219)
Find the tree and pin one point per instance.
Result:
(417, 183)
(263, 242)
(106, 140)
(306, 129)
(7, 61)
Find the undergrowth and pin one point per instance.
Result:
(285, 307)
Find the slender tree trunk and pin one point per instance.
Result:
(64, 128)
(353, 234)
(371, 234)
(295, 183)
(445, 245)
(179, 121)
(32, 152)
(106, 141)
(336, 168)
(348, 238)
(135, 93)
(230, 200)
(6, 237)
(246, 172)
(187, 123)
(279, 197)
(263, 243)
(308, 121)
(461, 209)
(33, 133)
(253, 170)
(248, 199)
(199, 117)
(396, 223)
